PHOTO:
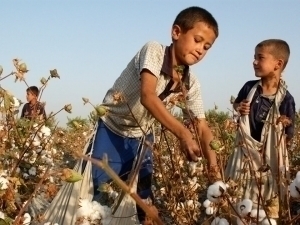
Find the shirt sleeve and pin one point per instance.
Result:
(290, 112)
(243, 93)
(150, 57)
(194, 101)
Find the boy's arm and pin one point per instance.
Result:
(206, 137)
(154, 105)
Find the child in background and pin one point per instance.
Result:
(33, 109)
(263, 105)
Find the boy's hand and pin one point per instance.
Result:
(244, 107)
(190, 148)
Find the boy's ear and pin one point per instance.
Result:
(279, 64)
(176, 31)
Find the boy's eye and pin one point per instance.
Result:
(197, 40)
(206, 47)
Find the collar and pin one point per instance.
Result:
(167, 67)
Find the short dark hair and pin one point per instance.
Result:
(278, 48)
(34, 90)
(187, 18)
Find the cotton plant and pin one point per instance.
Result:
(248, 213)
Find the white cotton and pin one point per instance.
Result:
(2, 216)
(209, 211)
(25, 175)
(32, 159)
(95, 216)
(48, 223)
(49, 161)
(221, 184)
(215, 221)
(54, 151)
(45, 131)
(3, 173)
(27, 219)
(266, 222)
(261, 214)
(293, 190)
(206, 203)
(189, 203)
(96, 206)
(245, 207)
(192, 167)
(3, 183)
(51, 179)
(36, 142)
(297, 179)
(85, 208)
(32, 171)
(213, 193)
(113, 194)
(223, 221)
(16, 102)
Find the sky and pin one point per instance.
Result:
(91, 42)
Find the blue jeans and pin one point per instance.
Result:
(121, 152)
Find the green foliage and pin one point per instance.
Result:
(213, 116)
(77, 122)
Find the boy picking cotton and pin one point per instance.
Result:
(141, 93)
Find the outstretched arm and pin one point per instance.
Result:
(205, 136)
(154, 105)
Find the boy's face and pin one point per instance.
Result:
(191, 47)
(30, 96)
(265, 64)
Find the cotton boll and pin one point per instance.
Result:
(3, 183)
(245, 207)
(297, 180)
(32, 171)
(190, 203)
(27, 219)
(223, 222)
(213, 193)
(209, 211)
(36, 142)
(54, 151)
(293, 190)
(51, 179)
(25, 175)
(261, 214)
(206, 203)
(192, 167)
(221, 184)
(45, 131)
(266, 222)
(215, 221)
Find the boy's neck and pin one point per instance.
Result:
(270, 84)
(33, 102)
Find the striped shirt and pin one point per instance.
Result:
(158, 60)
